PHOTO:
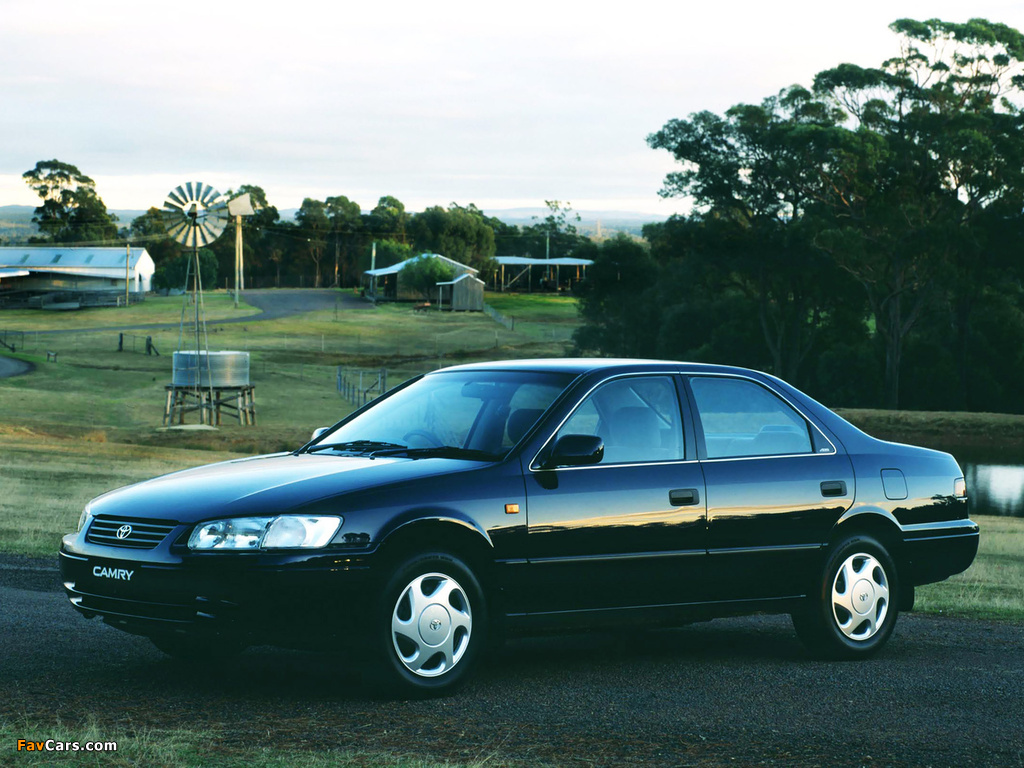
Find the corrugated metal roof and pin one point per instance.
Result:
(61, 257)
(464, 276)
(395, 268)
(524, 261)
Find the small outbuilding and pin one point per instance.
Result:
(72, 276)
(463, 294)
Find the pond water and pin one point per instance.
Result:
(995, 479)
(995, 489)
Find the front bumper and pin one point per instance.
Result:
(293, 599)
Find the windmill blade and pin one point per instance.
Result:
(195, 214)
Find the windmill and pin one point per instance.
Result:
(195, 214)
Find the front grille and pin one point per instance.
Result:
(129, 533)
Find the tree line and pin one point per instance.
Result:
(860, 238)
(329, 242)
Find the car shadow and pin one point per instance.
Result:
(280, 673)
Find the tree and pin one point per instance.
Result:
(171, 275)
(346, 228)
(936, 142)
(423, 273)
(614, 300)
(315, 226)
(462, 234)
(390, 252)
(71, 210)
(148, 230)
(388, 219)
(754, 178)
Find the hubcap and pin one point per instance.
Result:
(431, 625)
(860, 596)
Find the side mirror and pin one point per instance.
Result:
(319, 431)
(576, 451)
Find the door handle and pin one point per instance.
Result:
(683, 497)
(833, 488)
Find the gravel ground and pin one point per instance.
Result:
(945, 692)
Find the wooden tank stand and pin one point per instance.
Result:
(238, 402)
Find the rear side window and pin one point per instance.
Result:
(741, 418)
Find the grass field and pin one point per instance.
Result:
(187, 748)
(939, 428)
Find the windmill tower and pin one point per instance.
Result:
(194, 214)
(238, 207)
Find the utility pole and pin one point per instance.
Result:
(127, 269)
(238, 256)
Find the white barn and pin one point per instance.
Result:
(34, 270)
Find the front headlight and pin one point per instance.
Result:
(84, 518)
(250, 533)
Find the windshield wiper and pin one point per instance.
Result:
(357, 446)
(440, 452)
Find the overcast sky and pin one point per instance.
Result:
(500, 104)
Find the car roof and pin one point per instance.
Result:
(582, 365)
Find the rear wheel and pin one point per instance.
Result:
(430, 625)
(854, 608)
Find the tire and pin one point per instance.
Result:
(854, 606)
(198, 648)
(429, 628)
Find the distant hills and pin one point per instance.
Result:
(16, 220)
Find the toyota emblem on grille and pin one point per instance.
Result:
(124, 532)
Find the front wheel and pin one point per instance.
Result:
(430, 625)
(854, 607)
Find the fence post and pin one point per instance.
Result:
(120, 340)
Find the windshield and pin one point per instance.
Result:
(467, 414)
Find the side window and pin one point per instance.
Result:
(526, 406)
(638, 418)
(741, 418)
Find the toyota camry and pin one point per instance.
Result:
(512, 497)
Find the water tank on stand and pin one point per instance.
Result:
(210, 369)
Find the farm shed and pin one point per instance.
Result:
(385, 284)
(463, 294)
(516, 272)
(42, 275)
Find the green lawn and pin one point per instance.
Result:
(187, 748)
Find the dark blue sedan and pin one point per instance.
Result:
(512, 497)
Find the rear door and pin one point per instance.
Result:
(775, 487)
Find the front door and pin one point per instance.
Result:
(630, 530)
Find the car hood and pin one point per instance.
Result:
(263, 485)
